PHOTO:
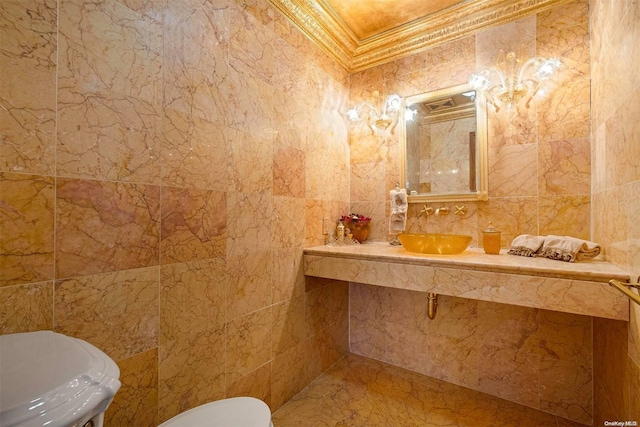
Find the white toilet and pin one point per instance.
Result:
(49, 379)
(232, 412)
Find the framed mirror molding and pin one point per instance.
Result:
(443, 145)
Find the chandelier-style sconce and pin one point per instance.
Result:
(511, 82)
(378, 121)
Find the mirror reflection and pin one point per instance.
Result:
(445, 145)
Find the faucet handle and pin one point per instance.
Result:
(461, 210)
(427, 210)
(442, 211)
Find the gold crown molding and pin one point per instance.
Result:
(449, 25)
(318, 21)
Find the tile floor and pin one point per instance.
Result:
(361, 392)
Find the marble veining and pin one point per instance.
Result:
(579, 288)
(361, 392)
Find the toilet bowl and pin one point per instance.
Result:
(49, 379)
(232, 412)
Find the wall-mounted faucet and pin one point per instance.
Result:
(442, 211)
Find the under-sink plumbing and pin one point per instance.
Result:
(432, 305)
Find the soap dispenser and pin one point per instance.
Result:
(340, 233)
(491, 240)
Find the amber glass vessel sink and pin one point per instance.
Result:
(442, 244)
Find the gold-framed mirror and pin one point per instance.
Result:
(443, 145)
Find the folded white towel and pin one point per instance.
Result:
(567, 248)
(399, 207)
(526, 245)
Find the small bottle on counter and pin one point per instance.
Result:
(491, 240)
(340, 233)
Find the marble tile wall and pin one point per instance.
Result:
(539, 358)
(162, 165)
(539, 164)
(615, 134)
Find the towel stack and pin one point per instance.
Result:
(399, 206)
(563, 248)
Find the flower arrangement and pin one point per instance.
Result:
(359, 225)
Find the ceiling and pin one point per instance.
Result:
(369, 18)
(361, 34)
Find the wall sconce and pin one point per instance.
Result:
(378, 121)
(509, 82)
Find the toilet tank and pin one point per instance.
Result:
(49, 379)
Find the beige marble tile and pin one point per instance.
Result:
(194, 224)
(249, 104)
(620, 77)
(513, 171)
(366, 148)
(286, 70)
(105, 226)
(249, 223)
(255, 384)
(192, 297)
(564, 167)
(329, 345)
(365, 182)
(509, 374)
(289, 172)
(611, 230)
(402, 66)
(453, 359)
(609, 362)
(450, 64)
(196, 41)
(191, 371)
(249, 283)
(288, 326)
(324, 305)
(27, 86)
(362, 392)
(563, 32)
(251, 160)
(564, 114)
(517, 36)
(248, 344)
(511, 215)
(622, 144)
(407, 346)
(409, 84)
(27, 228)
(109, 93)
(316, 211)
(288, 222)
(288, 274)
(565, 215)
(509, 327)
(136, 403)
(194, 152)
(290, 373)
(251, 40)
(565, 336)
(26, 308)
(364, 84)
(117, 312)
(566, 389)
(507, 129)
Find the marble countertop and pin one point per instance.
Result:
(594, 270)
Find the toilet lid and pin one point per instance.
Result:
(49, 379)
(233, 412)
